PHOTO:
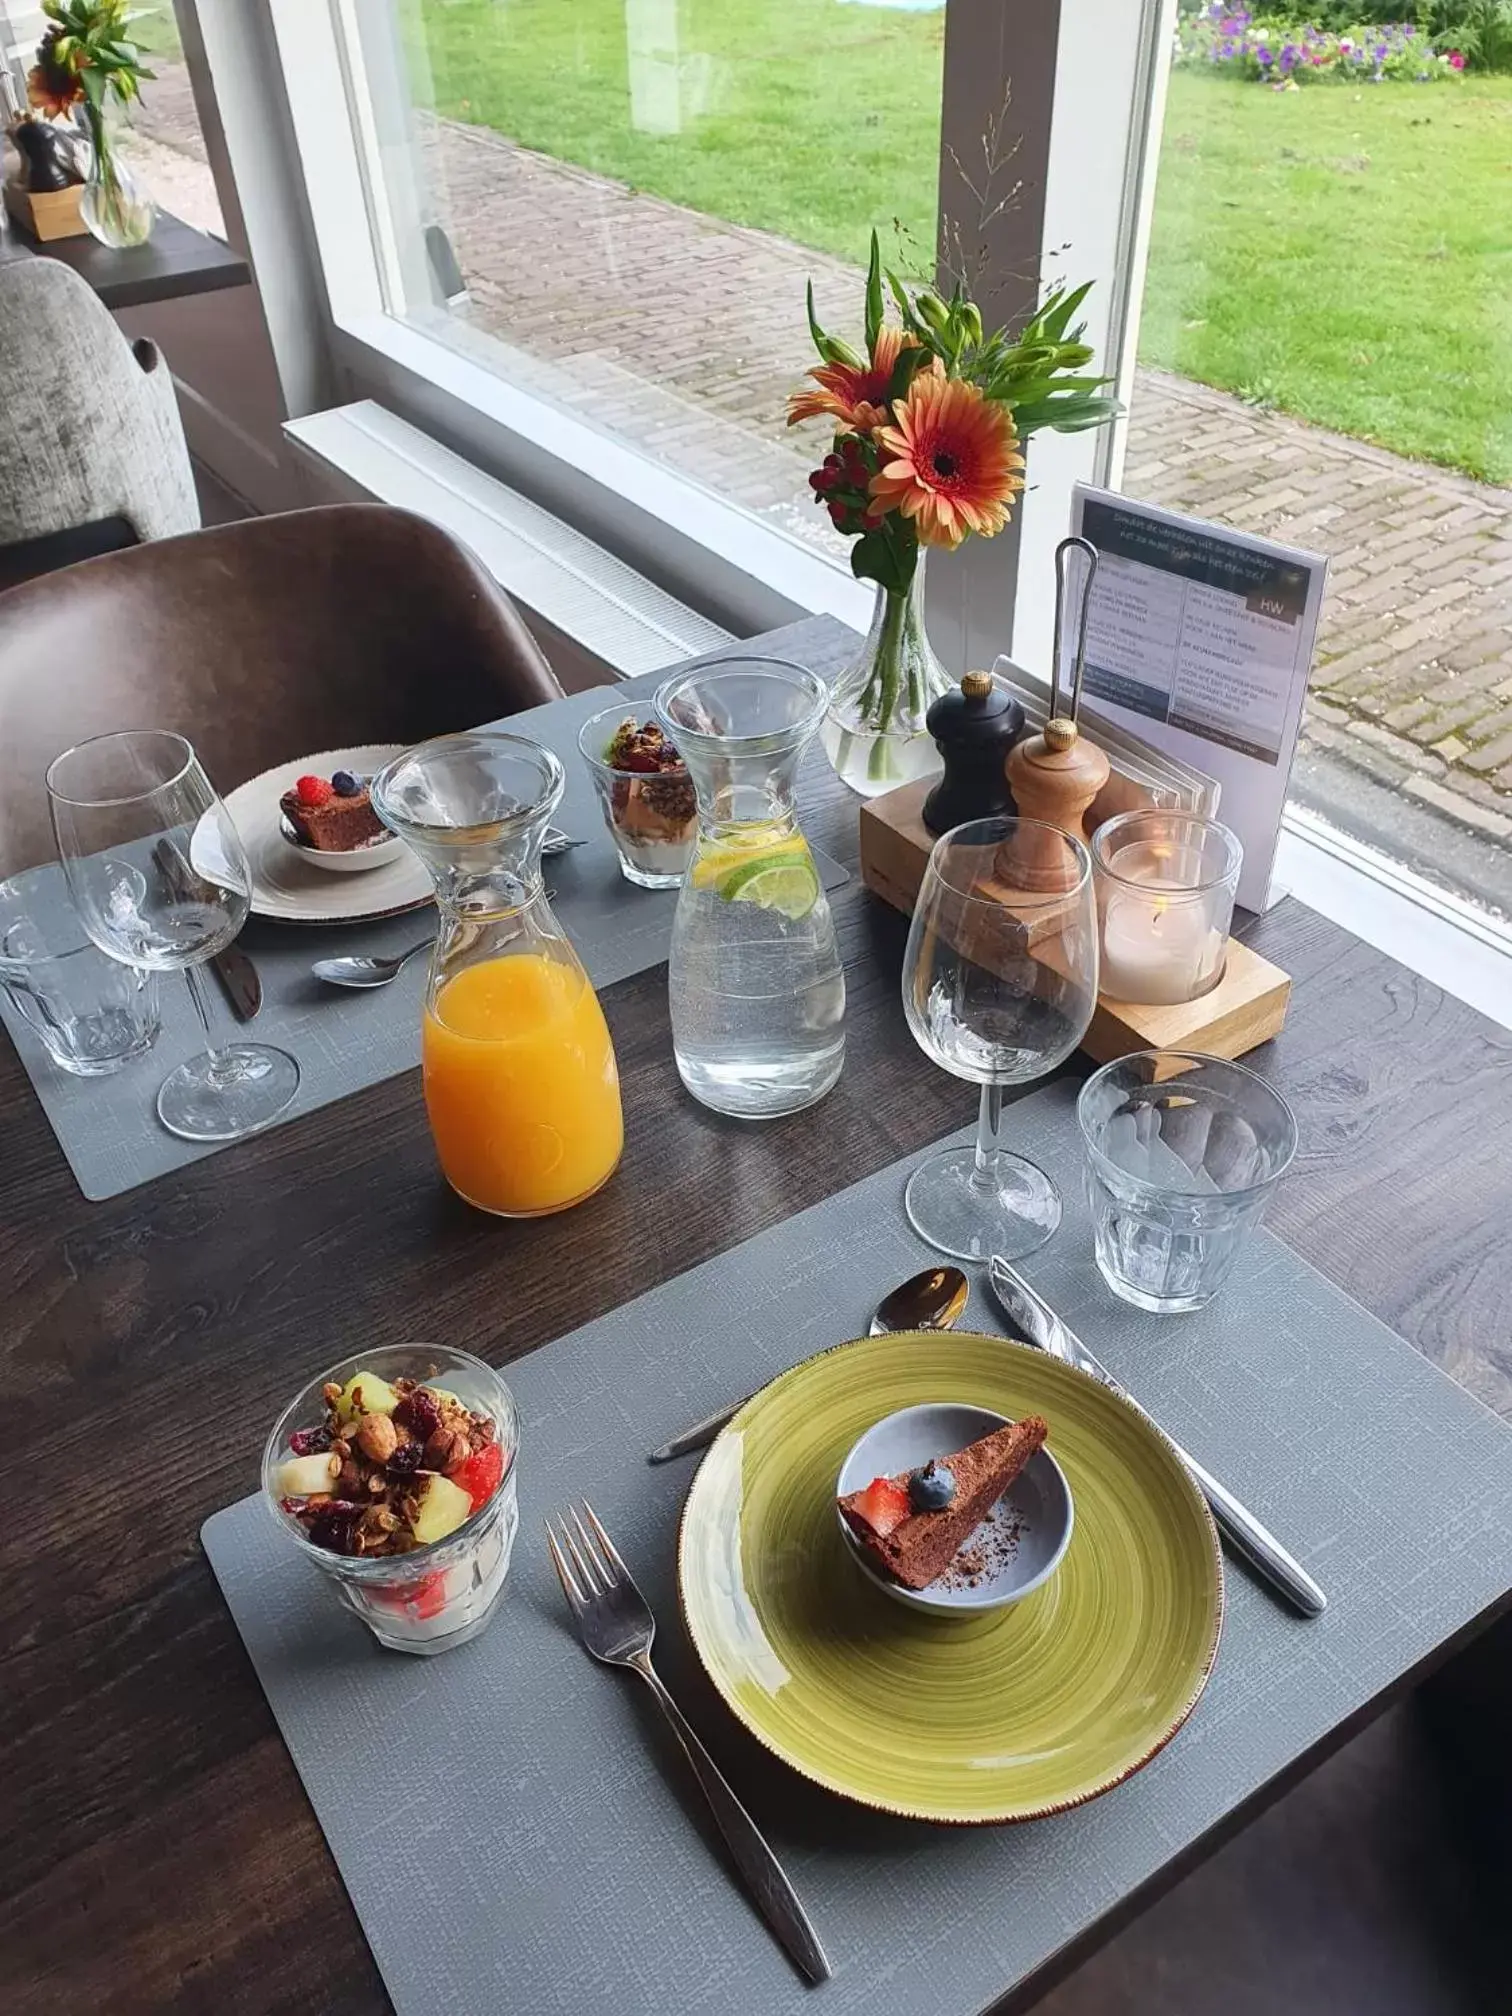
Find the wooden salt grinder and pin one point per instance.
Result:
(1055, 775)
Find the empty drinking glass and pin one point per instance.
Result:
(92, 1013)
(160, 879)
(999, 985)
(1183, 1152)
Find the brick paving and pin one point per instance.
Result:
(685, 334)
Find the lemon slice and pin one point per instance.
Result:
(724, 862)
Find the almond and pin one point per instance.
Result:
(377, 1437)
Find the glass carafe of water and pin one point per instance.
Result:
(521, 1086)
(756, 989)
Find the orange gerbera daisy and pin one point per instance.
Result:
(951, 462)
(853, 395)
(51, 86)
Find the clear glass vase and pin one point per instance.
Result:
(754, 981)
(874, 731)
(521, 1085)
(114, 205)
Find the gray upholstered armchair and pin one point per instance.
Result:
(92, 452)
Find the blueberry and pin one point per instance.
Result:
(345, 784)
(932, 1488)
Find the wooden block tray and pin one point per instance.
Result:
(1245, 1009)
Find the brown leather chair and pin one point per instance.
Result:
(259, 641)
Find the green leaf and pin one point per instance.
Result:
(1057, 311)
(830, 348)
(911, 360)
(874, 558)
(874, 296)
(1072, 415)
(910, 320)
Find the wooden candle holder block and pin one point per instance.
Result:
(46, 213)
(1245, 1009)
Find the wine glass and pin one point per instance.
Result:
(160, 879)
(999, 985)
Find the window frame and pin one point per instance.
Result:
(737, 569)
(1077, 67)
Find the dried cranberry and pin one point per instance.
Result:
(310, 1441)
(418, 1413)
(405, 1459)
(335, 1526)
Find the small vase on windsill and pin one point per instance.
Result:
(874, 731)
(114, 205)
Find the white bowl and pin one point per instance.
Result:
(354, 861)
(1037, 1502)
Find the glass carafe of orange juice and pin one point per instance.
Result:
(521, 1085)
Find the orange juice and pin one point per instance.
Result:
(521, 1085)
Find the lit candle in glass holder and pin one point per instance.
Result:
(1165, 899)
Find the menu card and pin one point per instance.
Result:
(1201, 639)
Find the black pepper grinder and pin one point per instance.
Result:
(974, 728)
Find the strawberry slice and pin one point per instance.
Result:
(481, 1474)
(422, 1599)
(883, 1505)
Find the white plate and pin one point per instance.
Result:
(285, 887)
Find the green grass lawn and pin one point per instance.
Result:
(1342, 253)
(1345, 254)
(804, 117)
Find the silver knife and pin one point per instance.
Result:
(240, 981)
(1032, 1319)
(699, 1435)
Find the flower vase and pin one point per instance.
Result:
(874, 732)
(113, 205)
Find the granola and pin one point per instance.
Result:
(394, 1465)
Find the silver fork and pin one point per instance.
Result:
(617, 1627)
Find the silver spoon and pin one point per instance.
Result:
(932, 1300)
(366, 972)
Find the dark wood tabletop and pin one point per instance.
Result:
(176, 260)
(156, 1849)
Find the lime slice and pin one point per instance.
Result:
(790, 887)
(725, 860)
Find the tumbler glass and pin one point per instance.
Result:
(1183, 1153)
(92, 1014)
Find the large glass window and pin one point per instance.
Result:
(618, 203)
(1325, 357)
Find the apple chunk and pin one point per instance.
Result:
(366, 1393)
(443, 1508)
(303, 1476)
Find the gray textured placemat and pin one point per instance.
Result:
(513, 1825)
(344, 1041)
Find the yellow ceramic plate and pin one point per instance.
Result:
(1010, 1716)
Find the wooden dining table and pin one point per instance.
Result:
(156, 1848)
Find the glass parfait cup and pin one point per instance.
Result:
(521, 1084)
(431, 1598)
(754, 980)
(651, 815)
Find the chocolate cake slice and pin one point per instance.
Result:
(916, 1547)
(330, 819)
